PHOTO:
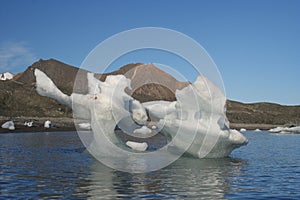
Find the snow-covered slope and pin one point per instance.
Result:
(6, 76)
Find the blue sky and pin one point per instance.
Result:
(255, 44)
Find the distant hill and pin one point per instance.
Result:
(61, 74)
(148, 82)
(19, 98)
(262, 113)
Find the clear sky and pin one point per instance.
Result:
(255, 44)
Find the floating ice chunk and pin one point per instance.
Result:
(235, 136)
(137, 146)
(47, 124)
(295, 129)
(196, 122)
(28, 124)
(276, 130)
(281, 129)
(243, 130)
(257, 130)
(85, 126)
(9, 125)
(143, 130)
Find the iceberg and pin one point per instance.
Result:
(243, 130)
(47, 124)
(277, 129)
(257, 130)
(280, 129)
(195, 124)
(28, 124)
(137, 145)
(9, 125)
(295, 129)
(86, 126)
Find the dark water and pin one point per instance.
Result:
(55, 165)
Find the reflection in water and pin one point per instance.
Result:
(41, 165)
(187, 178)
(55, 165)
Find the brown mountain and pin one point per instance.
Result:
(19, 98)
(148, 82)
(61, 74)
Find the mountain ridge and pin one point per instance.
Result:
(19, 98)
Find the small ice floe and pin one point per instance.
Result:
(280, 129)
(243, 130)
(28, 124)
(137, 145)
(295, 129)
(47, 124)
(276, 130)
(257, 130)
(143, 130)
(9, 125)
(85, 126)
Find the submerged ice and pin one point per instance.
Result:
(195, 123)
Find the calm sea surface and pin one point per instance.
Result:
(56, 165)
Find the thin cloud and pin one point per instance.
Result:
(15, 56)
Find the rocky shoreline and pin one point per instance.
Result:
(238, 126)
(67, 124)
(59, 124)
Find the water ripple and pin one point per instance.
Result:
(56, 166)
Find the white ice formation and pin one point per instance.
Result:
(143, 130)
(243, 130)
(295, 129)
(196, 123)
(137, 145)
(86, 126)
(28, 124)
(257, 130)
(6, 76)
(9, 125)
(199, 113)
(47, 124)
